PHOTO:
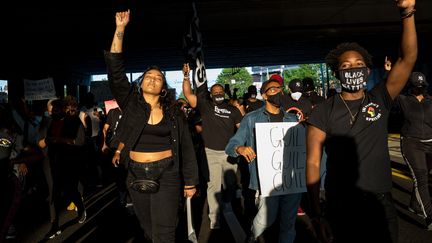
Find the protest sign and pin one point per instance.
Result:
(42, 89)
(281, 157)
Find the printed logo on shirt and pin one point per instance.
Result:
(296, 111)
(5, 143)
(224, 113)
(372, 112)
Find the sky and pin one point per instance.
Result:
(3, 83)
(175, 78)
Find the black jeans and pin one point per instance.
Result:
(157, 212)
(360, 216)
(417, 155)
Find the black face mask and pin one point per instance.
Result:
(218, 99)
(353, 79)
(418, 91)
(275, 99)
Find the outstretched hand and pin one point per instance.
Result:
(122, 18)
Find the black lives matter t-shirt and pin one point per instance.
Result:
(358, 156)
(218, 121)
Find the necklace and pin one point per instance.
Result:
(352, 117)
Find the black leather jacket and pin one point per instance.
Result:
(136, 113)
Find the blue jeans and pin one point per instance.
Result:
(268, 210)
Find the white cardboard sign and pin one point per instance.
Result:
(281, 157)
(42, 89)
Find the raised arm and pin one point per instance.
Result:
(117, 79)
(187, 90)
(122, 19)
(401, 70)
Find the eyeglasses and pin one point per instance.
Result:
(273, 89)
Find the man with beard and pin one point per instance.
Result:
(219, 121)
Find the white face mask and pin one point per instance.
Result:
(296, 95)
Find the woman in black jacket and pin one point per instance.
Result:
(158, 150)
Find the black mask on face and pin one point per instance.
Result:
(418, 91)
(275, 99)
(353, 79)
(218, 99)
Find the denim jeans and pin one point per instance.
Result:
(157, 212)
(268, 210)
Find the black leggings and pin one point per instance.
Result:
(157, 212)
(417, 155)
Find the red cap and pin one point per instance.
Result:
(277, 77)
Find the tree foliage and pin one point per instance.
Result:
(242, 79)
(305, 70)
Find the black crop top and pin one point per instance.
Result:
(154, 138)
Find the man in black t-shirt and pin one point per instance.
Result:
(110, 140)
(219, 121)
(310, 93)
(295, 102)
(252, 103)
(352, 128)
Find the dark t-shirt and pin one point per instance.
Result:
(358, 156)
(218, 121)
(113, 118)
(417, 116)
(302, 107)
(315, 99)
(252, 106)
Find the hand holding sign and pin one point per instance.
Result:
(246, 152)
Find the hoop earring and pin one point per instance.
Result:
(164, 93)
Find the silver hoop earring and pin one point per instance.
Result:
(164, 93)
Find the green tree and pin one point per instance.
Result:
(238, 78)
(308, 70)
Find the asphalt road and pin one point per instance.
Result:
(109, 222)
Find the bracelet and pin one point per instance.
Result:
(406, 13)
(186, 77)
(118, 151)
